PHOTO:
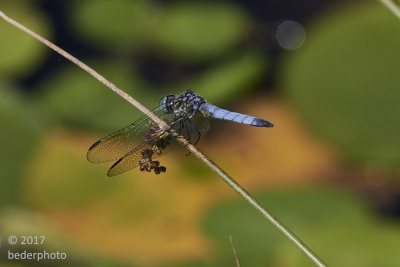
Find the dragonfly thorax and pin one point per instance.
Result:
(185, 105)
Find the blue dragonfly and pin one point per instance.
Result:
(137, 144)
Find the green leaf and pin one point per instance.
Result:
(20, 53)
(345, 82)
(200, 31)
(117, 24)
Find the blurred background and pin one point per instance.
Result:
(324, 72)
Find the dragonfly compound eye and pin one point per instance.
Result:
(166, 104)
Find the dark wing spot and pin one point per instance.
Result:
(95, 144)
(116, 163)
(262, 123)
(113, 166)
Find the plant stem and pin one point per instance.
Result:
(234, 252)
(231, 182)
(392, 6)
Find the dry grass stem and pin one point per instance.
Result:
(234, 251)
(392, 6)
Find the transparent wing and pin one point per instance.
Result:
(131, 160)
(119, 143)
(192, 130)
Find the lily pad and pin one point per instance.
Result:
(345, 82)
(200, 31)
(118, 24)
(20, 53)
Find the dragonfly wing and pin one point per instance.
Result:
(132, 159)
(119, 143)
(193, 129)
(129, 161)
(127, 144)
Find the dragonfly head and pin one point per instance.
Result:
(167, 103)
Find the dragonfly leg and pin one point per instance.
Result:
(188, 136)
(176, 121)
(194, 112)
(187, 131)
(198, 134)
(180, 127)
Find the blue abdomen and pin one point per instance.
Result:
(210, 110)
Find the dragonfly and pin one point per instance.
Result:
(138, 144)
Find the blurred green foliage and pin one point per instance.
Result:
(21, 53)
(338, 224)
(19, 136)
(230, 79)
(72, 97)
(200, 31)
(345, 81)
(188, 31)
(112, 24)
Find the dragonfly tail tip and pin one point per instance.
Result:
(263, 123)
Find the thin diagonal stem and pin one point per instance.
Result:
(234, 252)
(392, 6)
(231, 182)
